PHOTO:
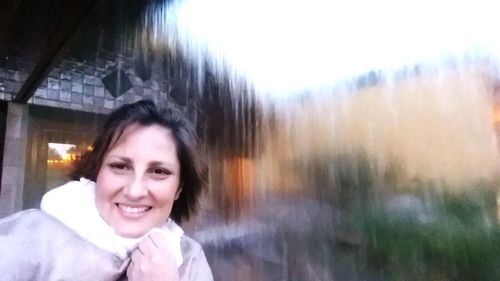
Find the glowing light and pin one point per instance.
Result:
(282, 47)
(62, 150)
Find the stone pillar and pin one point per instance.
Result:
(14, 159)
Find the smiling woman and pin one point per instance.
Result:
(139, 180)
(128, 194)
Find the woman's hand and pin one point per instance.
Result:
(153, 260)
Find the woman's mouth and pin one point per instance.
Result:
(132, 210)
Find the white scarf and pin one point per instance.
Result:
(74, 205)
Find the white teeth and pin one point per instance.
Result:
(133, 210)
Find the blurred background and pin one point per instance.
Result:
(346, 140)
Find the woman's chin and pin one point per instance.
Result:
(130, 233)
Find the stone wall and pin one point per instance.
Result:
(78, 85)
(13, 167)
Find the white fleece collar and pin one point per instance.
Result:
(74, 205)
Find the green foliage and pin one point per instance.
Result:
(435, 235)
(459, 241)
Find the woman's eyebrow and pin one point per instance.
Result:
(161, 163)
(122, 158)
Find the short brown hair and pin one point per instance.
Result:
(193, 178)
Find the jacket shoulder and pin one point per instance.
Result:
(195, 266)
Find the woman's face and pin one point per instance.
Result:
(138, 181)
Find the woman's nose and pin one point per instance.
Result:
(135, 188)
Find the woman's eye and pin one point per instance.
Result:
(160, 171)
(119, 166)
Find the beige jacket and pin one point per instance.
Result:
(36, 246)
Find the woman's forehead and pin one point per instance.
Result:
(149, 133)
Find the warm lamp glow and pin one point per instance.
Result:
(496, 113)
(60, 153)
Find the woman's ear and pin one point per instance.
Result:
(178, 192)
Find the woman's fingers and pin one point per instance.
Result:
(136, 257)
(154, 247)
(147, 246)
(152, 260)
(158, 239)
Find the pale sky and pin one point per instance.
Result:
(286, 46)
